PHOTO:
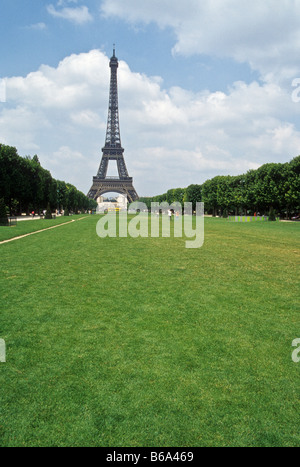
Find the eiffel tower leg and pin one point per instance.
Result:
(131, 194)
(122, 168)
(103, 168)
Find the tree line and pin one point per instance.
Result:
(26, 186)
(273, 186)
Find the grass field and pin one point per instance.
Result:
(34, 225)
(141, 342)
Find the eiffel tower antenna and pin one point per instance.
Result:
(112, 149)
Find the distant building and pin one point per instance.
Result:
(104, 204)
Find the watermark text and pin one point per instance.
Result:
(163, 221)
(296, 92)
(2, 351)
(296, 353)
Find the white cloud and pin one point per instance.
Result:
(65, 2)
(37, 27)
(20, 126)
(171, 138)
(265, 34)
(68, 86)
(78, 15)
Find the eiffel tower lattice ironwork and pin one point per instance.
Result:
(113, 149)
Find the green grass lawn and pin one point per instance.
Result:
(141, 342)
(34, 225)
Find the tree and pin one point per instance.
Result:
(25, 185)
(250, 199)
(268, 187)
(272, 215)
(175, 195)
(3, 213)
(193, 194)
(147, 201)
(48, 212)
(225, 193)
(10, 174)
(209, 195)
(291, 188)
(92, 204)
(271, 185)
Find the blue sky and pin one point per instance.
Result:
(30, 36)
(205, 86)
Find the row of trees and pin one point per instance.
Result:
(26, 186)
(272, 186)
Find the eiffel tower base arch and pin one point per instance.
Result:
(123, 187)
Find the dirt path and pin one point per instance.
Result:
(39, 231)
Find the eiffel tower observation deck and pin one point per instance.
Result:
(113, 151)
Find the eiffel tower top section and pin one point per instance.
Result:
(113, 137)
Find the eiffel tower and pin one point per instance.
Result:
(113, 150)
